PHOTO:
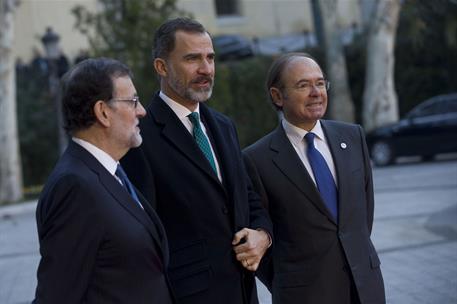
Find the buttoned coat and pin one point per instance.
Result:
(200, 214)
(316, 259)
(97, 245)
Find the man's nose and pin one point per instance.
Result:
(206, 67)
(314, 90)
(140, 111)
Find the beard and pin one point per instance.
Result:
(136, 140)
(197, 95)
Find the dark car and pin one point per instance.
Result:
(429, 129)
(230, 47)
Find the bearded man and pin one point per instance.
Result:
(191, 165)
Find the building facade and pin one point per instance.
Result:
(250, 18)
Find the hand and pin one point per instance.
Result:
(251, 251)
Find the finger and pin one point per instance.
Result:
(253, 267)
(245, 256)
(243, 233)
(248, 248)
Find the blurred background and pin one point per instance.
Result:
(382, 58)
(391, 63)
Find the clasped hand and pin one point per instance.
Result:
(250, 251)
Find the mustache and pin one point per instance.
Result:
(203, 78)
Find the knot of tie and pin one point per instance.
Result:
(121, 173)
(194, 119)
(309, 137)
(126, 183)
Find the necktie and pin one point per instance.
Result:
(324, 179)
(201, 139)
(127, 184)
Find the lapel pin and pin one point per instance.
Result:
(343, 145)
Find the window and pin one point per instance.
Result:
(227, 7)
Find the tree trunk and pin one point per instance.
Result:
(341, 106)
(317, 21)
(366, 10)
(380, 104)
(10, 164)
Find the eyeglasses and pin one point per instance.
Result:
(135, 100)
(306, 86)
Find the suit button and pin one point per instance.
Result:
(225, 210)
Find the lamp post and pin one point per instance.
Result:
(50, 42)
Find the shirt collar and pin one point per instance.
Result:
(297, 134)
(180, 110)
(104, 158)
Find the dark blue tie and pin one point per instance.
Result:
(201, 139)
(126, 183)
(324, 179)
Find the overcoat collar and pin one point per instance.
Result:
(175, 132)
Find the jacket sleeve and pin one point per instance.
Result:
(258, 215)
(265, 270)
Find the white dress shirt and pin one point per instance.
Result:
(103, 158)
(296, 137)
(182, 112)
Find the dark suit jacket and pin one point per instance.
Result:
(200, 214)
(97, 245)
(314, 259)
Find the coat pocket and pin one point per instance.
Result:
(191, 281)
(188, 253)
(189, 270)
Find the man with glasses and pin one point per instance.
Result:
(191, 167)
(314, 176)
(100, 241)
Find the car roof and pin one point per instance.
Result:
(436, 99)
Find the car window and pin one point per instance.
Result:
(427, 110)
(450, 105)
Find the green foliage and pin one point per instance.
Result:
(124, 30)
(425, 53)
(239, 93)
(37, 125)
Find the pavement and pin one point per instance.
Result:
(415, 233)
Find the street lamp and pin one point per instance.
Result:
(50, 42)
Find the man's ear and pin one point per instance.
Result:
(161, 67)
(276, 96)
(102, 113)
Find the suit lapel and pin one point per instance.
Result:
(291, 166)
(175, 132)
(115, 189)
(220, 135)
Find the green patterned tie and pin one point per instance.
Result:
(201, 139)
